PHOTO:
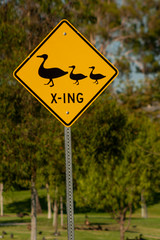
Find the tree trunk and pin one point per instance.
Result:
(61, 206)
(122, 220)
(33, 211)
(38, 205)
(122, 232)
(122, 227)
(144, 213)
(55, 218)
(49, 202)
(1, 198)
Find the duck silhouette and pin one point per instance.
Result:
(77, 76)
(49, 73)
(96, 76)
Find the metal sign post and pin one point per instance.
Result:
(69, 183)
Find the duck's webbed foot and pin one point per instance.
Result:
(77, 83)
(96, 82)
(48, 82)
(52, 83)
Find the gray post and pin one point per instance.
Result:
(69, 183)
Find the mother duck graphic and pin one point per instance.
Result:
(49, 73)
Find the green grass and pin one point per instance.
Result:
(15, 202)
(20, 201)
(150, 228)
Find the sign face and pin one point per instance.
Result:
(66, 73)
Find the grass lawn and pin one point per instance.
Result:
(18, 201)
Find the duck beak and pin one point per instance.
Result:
(39, 56)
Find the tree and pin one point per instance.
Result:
(147, 145)
(21, 31)
(110, 169)
(140, 38)
(53, 172)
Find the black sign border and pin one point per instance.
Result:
(94, 49)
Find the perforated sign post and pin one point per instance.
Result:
(66, 73)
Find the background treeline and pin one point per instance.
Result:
(116, 156)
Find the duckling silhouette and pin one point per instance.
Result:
(49, 73)
(77, 76)
(96, 76)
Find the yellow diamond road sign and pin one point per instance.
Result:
(66, 73)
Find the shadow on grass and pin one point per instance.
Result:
(130, 231)
(12, 220)
(99, 223)
(24, 206)
(19, 206)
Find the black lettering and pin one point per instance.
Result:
(64, 97)
(79, 99)
(54, 97)
(70, 97)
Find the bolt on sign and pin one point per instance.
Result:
(66, 73)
